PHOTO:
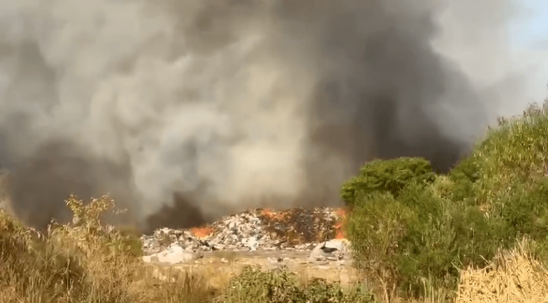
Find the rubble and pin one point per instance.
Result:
(174, 254)
(295, 229)
(332, 250)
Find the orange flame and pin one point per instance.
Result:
(267, 212)
(340, 230)
(272, 214)
(201, 232)
(340, 212)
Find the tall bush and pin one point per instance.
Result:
(387, 176)
(409, 226)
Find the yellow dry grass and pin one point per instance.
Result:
(85, 264)
(513, 277)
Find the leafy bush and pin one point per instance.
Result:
(282, 286)
(375, 230)
(409, 226)
(401, 242)
(254, 285)
(390, 176)
(464, 180)
(524, 212)
(514, 153)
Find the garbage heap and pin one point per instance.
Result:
(260, 229)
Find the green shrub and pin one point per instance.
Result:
(427, 248)
(389, 176)
(443, 187)
(464, 178)
(409, 226)
(254, 285)
(282, 286)
(418, 237)
(320, 291)
(376, 229)
(524, 213)
(516, 152)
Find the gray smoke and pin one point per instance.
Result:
(187, 110)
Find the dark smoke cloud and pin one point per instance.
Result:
(188, 110)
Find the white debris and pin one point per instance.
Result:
(251, 243)
(341, 245)
(174, 254)
(332, 250)
(295, 229)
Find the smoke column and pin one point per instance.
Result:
(188, 110)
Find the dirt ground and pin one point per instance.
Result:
(220, 266)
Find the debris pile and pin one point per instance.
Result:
(260, 229)
(332, 250)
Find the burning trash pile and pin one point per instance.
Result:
(260, 229)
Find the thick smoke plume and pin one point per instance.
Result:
(187, 110)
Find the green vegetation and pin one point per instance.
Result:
(281, 286)
(409, 227)
(387, 176)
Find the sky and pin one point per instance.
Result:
(531, 30)
(529, 39)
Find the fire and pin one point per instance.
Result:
(268, 212)
(272, 214)
(201, 232)
(340, 212)
(340, 232)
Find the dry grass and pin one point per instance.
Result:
(85, 263)
(513, 277)
(90, 264)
